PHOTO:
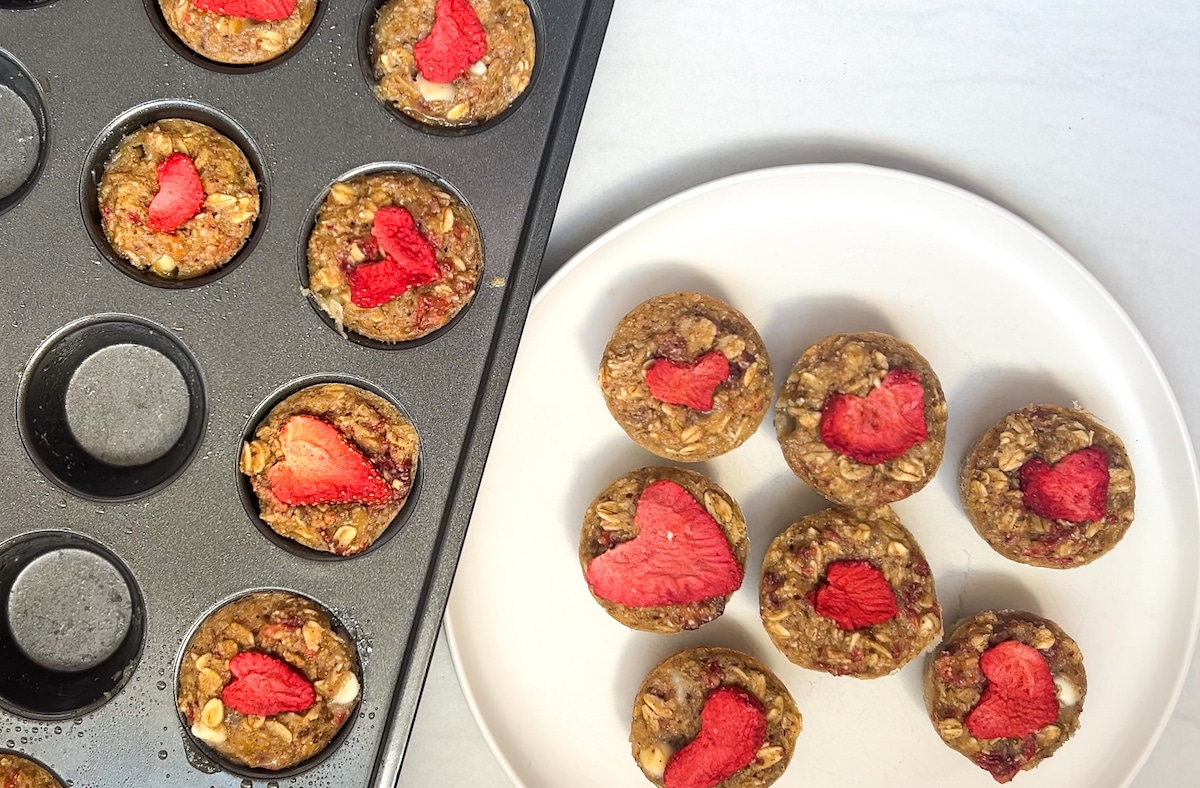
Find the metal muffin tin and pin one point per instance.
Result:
(175, 528)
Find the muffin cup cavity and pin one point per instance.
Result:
(159, 22)
(234, 767)
(74, 625)
(24, 128)
(143, 115)
(310, 223)
(366, 61)
(250, 501)
(112, 407)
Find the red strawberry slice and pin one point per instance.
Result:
(180, 194)
(454, 44)
(265, 685)
(855, 595)
(258, 10)
(1074, 489)
(733, 726)
(1019, 699)
(410, 260)
(679, 556)
(881, 426)
(691, 385)
(320, 466)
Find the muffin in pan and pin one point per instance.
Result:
(1049, 486)
(393, 256)
(239, 32)
(1006, 689)
(178, 199)
(713, 717)
(267, 682)
(861, 419)
(452, 63)
(849, 592)
(18, 772)
(663, 549)
(332, 465)
(686, 376)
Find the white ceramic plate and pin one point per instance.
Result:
(1004, 316)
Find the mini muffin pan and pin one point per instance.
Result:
(129, 396)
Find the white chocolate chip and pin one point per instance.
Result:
(435, 91)
(210, 736)
(347, 692)
(478, 68)
(1068, 693)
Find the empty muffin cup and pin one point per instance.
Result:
(74, 623)
(112, 407)
(23, 131)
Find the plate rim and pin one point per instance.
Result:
(854, 168)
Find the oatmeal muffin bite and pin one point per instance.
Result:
(686, 376)
(393, 257)
(861, 419)
(178, 199)
(663, 549)
(266, 682)
(1048, 486)
(452, 62)
(1006, 689)
(239, 32)
(849, 592)
(332, 465)
(18, 772)
(713, 716)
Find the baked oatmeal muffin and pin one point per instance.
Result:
(686, 376)
(1048, 486)
(713, 717)
(861, 419)
(393, 256)
(20, 772)
(239, 32)
(178, 199)
(1006, 689)
(452, 62)
(849, 592)
(663, 549)
(267, 682)
(332, 465)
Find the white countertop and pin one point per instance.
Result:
(1081, 117)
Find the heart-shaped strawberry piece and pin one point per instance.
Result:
(680, 554)
(455, 43)
(880, 426)
(1074, 489)
(691, 385)
(733, 726)
(1020, 696)
(264, 685)
(855, 595)
(180, 194)
(320, 466)
(258, 10)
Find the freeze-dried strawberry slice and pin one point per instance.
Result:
(180, 194)
(691, 385)
(680, 554)
(880, 426)
(320, 466)
(1020, 698)
(454, 44)
(855, 595)
(258, 10)
(410, 260)
(1074, 489)
(733, 726)
(264, 685)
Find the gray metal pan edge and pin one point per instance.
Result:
(190, 544)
